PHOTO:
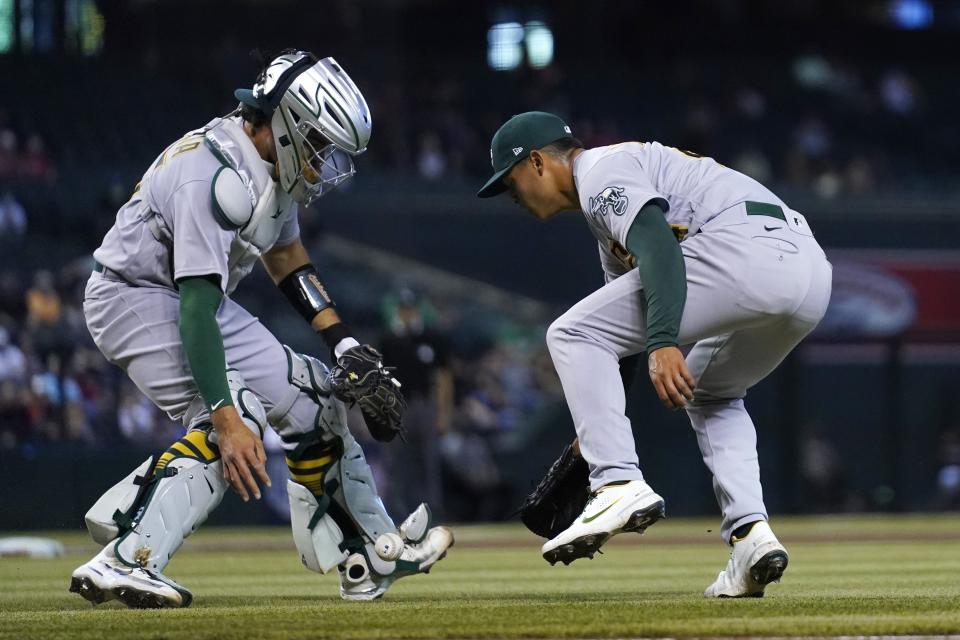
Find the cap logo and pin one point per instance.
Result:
(567, 129)
(491, 158)
(517, 150)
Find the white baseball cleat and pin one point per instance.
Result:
(756, 560)
(105, 578)
(630, 506)
(361, 580)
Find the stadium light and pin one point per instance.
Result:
(504, 51)
(6, 26)
(539, 40)
(911, 14)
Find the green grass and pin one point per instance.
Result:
(847, 576)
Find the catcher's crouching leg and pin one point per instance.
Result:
(338, 519)
(144, 519)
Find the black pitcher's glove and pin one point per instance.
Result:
(560, 497)
(360, 378)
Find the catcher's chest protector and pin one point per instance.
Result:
(245, 196)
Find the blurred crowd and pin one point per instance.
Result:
(824, 124)
(465, 410)
(828, 484)
(23, 156)
(827, 125)
(57, 389)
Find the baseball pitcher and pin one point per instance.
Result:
(694, 253)
(158, 305)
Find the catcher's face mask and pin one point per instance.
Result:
(323, 167)
(319, 119)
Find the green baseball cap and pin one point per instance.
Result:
(515, 139)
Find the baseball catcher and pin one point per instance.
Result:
(158, 305)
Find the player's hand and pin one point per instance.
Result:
(241, 452)
(671, 377)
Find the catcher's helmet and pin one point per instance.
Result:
(319, 120)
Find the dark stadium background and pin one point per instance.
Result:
(846, 109)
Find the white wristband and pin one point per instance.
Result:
(343, 345)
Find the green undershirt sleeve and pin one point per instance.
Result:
(663, 274)
(200, 298)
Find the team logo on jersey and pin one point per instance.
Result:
(611, 198)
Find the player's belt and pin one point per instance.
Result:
(110, 274)
(765, 209)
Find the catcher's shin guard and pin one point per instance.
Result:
(111, 515)
(180, 498)
(101, 518)
(339, 511)
(147, 515)
(314, 425)
(317, 536)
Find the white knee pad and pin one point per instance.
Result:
(247, 405)
(310, 405)
(153, 513)
(177, 501)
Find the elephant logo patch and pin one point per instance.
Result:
(611, 198)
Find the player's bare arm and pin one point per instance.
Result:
(280, 262)
(360, 376)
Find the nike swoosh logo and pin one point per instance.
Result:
(766, 228)
(601, 512)
(216, 406)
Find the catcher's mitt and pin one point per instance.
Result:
(360, 378)
(560, 497)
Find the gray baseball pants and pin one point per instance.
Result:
(755, 287)
(137, 329)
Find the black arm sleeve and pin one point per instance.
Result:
(663, 274)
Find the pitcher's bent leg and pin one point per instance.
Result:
(728, 443)
(586, 344)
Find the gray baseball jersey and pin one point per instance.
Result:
(615, 182)
(171, 228)
(174, 201)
